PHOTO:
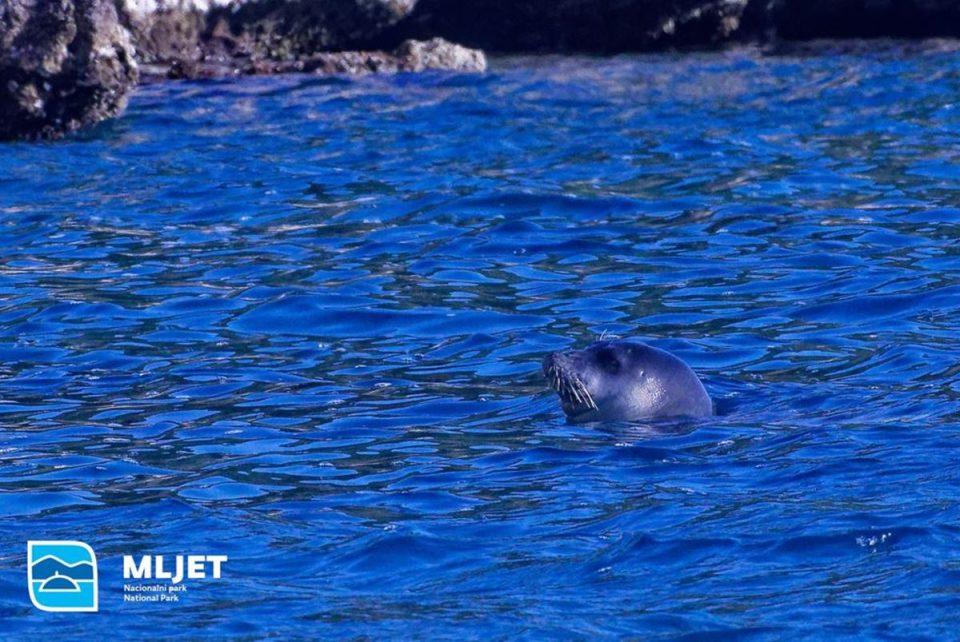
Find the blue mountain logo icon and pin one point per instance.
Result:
(62, 576)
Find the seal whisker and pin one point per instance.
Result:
(585, 394)
(570, 387)
(589, 397)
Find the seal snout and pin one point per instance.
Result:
(561, 376)
(556, 368)
(550, 362)
(551, 369)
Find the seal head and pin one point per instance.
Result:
(625, 381)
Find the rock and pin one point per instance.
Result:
(166, 31)
(809, 19)
(603, 26)
(437, 53)
(409, 56)
(286, 29)
(612, 26)
(64, 64)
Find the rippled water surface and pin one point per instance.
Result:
(298, 321)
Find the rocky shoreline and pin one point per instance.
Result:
(409, 56)
(67, 64)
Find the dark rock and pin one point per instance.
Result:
(166, 30)
(604, 26)
(203, 30)
(287, 29)
(612, 26)
(64, 64)
(808, 19)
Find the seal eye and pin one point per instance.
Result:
(608, 361)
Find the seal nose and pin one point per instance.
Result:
(549, 362)
(555, 361)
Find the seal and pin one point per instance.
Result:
(625, 381)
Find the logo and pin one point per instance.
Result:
(164, 575)
(62, 576)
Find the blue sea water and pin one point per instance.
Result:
(298, 321)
